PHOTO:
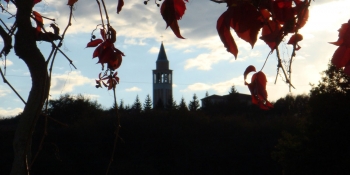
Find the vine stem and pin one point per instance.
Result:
(116, 132)
(54, 53)
(295, 43)
(278, 58)
(63, 34)
(104, 6)
(266, 60)
(281, 66)
(99, 7)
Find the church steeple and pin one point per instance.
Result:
(162, 55)
(162, 79)
(162, 60)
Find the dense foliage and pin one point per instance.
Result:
(321, 144)
(163, 141)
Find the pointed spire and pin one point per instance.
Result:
(162, 55)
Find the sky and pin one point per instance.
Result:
(200, 63)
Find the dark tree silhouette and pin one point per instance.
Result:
(147, 106)
(322, 143)
(233, 90)
(171, 104)
(183, 105)
(137, 106)
(70, 109)
(194, 104)
(121, 107)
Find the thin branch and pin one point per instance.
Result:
(104, 6)
(7, 41)
(3, 9)
(278, 70)
(13, 89)
(4, 24)
(51, 41)
(281, 66)
(300, 17)
(116, 132)
(99, 7)
(266, 60)
(219, 1)
(54, 49)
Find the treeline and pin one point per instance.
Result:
(232, 105)
(80, 136)
(304, 134)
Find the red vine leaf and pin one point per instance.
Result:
(295, 39)
(341, 57)
(34, 2)
(71, 2)
(94, 43)
(116, 60)
(283, 11)
(248, 70)
(39, 21)
(172, 11)
(272, 34)
(120, 5)
(105, 49)
(246, 21)
(112, 81)
(223, 28)
(342, 34)
(257, 88)
(302, 12)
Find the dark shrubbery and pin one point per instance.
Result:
(153, 142)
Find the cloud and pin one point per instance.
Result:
(4, 91)
(133, 41)
(133, 89)
(64, 83)
(154, 50)
(8, 62)
(206, 60)
(10, 112)
(198, 87)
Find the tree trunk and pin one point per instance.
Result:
(26, 49)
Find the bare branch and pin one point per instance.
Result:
(14, 90)
(219, 1)
(7, 41)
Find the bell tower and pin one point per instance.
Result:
(162, 79)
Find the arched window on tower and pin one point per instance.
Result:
(158, 78)
(169, 78)
(165, 78)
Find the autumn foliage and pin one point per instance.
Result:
(276, 19)
(105, 50)
(257, 88)
(341, 57)
(172, 11)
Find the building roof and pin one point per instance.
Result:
(162, 55)
(239, 95)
